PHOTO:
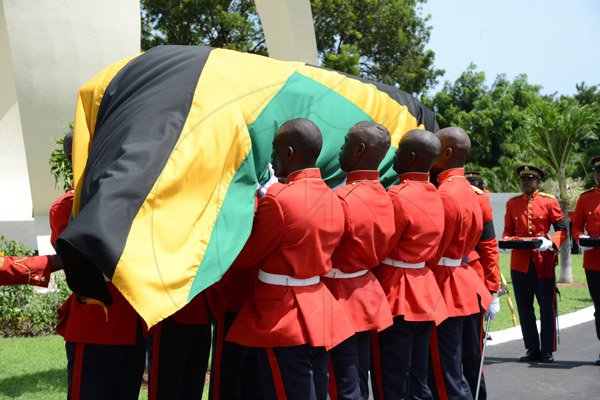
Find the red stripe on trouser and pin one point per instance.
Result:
(77, 371)
(554, 320)
(436, 364)
(376, 356)
(156, 337)
(333, 394)
(217, 357)
(277, 379)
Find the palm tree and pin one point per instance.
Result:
(556, 128)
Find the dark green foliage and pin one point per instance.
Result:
(23, 310)
(380, 40)
(60, 167)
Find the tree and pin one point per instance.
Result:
(556, 128)
(380, 40)
(494, 116)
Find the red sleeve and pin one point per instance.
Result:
(266, 234)
(488, 249)
(556, 215)
(25, 270)
(59, 215)
(578, 220)
(509, 225)
(451, 215)
(400, 220)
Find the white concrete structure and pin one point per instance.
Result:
(48, 49)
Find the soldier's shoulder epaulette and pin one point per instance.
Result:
(344, 191)
(477, 190)
(548, 195)
(275, 189)
(515, 197)
(588, 191)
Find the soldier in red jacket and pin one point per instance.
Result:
(485, 260)
(105, 345)
(463, 291)
(586, 223)
(293, 319)
(369, 225)
(401, 361)
(530, 215)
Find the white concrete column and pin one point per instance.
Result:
(51, 48)
(289, 30)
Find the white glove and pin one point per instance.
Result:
(341, 184)
(261, 190)
(493, 309)
(584, 248)
(546, 244)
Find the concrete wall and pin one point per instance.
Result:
(48, 49)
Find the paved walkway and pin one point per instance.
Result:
(573, 375)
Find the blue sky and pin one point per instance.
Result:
(556, 43)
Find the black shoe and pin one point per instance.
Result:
(597, 361)
(531, 355)
(547, 358)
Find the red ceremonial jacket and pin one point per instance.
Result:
(25, 270)
(461, 287)
(485, 259)
(296, 228)
(532, 216)
(369, 225)
(587, 219)
(91, 322)
(419, 222)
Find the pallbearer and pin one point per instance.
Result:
(463, 291)
(292, 318)
(586, 225)
(530, 215)
(401, 357)
(369, 225)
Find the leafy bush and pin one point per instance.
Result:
(60, 167)
(23, 310)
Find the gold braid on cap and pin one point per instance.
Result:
(528, 171)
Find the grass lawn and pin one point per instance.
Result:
(35, 368)
(574, 296)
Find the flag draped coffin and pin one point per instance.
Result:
(168, 148)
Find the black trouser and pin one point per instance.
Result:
(400, 361)
(526, 286)
(100, 372)
(346, 381)
(293, 373)
(446, 379)
(593, 280)
(472, 345)
(179, 361)
(234, 369)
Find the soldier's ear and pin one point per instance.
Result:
(290, 153)
(412, 156)
(448, 153)
(361, 148)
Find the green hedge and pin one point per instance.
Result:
(23, 310)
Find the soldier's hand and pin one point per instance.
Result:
(546, 244)
(584, 248)
(262, 189)
(493, 309)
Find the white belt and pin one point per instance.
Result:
(402, 264)
(337, 274)
(450, 262)
(285, 280)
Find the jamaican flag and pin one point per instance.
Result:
(168, 149)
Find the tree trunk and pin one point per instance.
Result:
(566, 273)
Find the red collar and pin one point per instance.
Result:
(533, 196)
(307, 173)
(449, 173)
(414, 176)
(362, 175)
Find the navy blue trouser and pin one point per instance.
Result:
(472, 345)
(350, 361)
(526, 286)
(593, 280)
(293, 373)
(100, 372)
(401, 360)
(234, 371)
(446, 378)
(179, 361)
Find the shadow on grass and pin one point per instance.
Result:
(43, 381)
(557, 364)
